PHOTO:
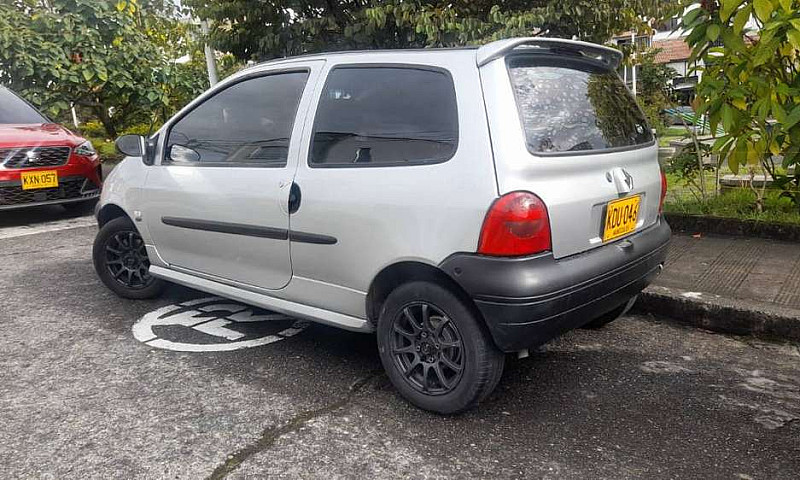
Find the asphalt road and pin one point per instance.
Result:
(89, 388)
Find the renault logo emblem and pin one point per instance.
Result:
(628, 179)
(622, 180)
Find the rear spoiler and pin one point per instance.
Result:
(501, 48)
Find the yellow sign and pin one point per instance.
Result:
(621, 217)
(39, 179)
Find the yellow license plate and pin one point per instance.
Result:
(621, 217)
(39, 179)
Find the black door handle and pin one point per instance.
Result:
(294, 198)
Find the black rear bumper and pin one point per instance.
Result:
(527, 301)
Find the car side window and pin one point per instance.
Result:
(248, 123)
(385, 116)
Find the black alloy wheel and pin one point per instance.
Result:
(126, 259)
(121, 261)
(427, 349)
(435, 348)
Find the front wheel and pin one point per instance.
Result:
(435, 349)
(121, 262)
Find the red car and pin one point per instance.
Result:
(41, 162)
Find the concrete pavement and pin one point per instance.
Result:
(738, 285)
(82, 396)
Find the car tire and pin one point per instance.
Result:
(436, 350)
(121, 262)
(83, 207)
(609, 317)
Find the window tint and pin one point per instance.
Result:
(569, 105)
(249, 122)
(15, 110)
(385, 116)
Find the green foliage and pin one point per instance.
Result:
(97, 55)
(96, 133)
(790, 184)
(737, 203)
(609, 105)
(653, 77)
(107, 150)
(652, 110)
(684, 164)
(652, 86)
(262, 29)
(91, 129)
(688, 169)
(750, 85)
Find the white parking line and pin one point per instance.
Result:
(67, 223)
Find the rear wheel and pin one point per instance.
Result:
(435, 350)
(121, 262)
(609, 317)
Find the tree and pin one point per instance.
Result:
(113, 59)
(652, 88)
(263, 29)
(750, 84)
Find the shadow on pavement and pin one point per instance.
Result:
(37, 215)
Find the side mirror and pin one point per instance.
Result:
(181, 154)
(131, 145)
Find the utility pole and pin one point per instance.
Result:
(633, 62)
(74, 115)
(211, 62)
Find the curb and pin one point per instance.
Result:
(720, 314)
(680, 222)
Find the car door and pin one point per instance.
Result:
(217, 203)
(398, 169)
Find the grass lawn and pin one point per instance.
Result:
(736, 203)
(672, 133)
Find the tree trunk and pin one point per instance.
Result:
(108, 124)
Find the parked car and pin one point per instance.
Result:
(41, 162)
(462, 203)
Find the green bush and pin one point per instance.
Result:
(737, 203)
(140, 129)
(653, 88)
(92, 130)
(107, 150)
(95, 132)
(653, 113)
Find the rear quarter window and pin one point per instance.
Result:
(571, 105)
(378, 116)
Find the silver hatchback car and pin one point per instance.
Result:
(462, 203)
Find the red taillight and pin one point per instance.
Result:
(516, 224)
(663, 192)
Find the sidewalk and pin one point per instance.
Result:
(732, 284)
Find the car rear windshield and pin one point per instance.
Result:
(15, 110)
(570, 105)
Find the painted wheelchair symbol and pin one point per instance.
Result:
(222, 321)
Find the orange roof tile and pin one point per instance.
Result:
(672, 50)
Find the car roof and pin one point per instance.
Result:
(363, 53)
(482, 53)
